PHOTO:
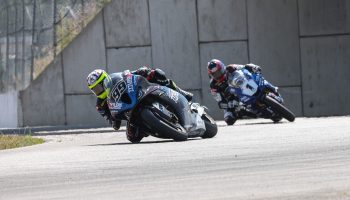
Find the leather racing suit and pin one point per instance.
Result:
(221, 91)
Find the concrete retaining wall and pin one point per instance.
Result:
(302, 46)
(326, 79)
(8, 110)
(43, 102)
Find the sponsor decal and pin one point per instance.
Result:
(115, 105)
(136, 79)
(174, 95)
(129, 83)
(244, 99)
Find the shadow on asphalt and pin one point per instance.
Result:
(252, 123)
(145, 142)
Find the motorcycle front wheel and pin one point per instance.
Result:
(163, 126)
(279, 108)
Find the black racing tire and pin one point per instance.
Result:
(159, 126)
(279, 108)
(135, 139)
(276, 119)
(210, 126)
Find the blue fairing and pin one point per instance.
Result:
(125, 91)
(250, 99)
(122, 92)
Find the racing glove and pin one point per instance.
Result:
(216, 95)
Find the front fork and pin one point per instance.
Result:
(271, 87)
(271, 90)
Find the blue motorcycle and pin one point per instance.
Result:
(257, 97)
(156, 110)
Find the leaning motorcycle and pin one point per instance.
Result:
(257, 97)
(157, 110)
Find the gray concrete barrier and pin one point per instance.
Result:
(302, 46)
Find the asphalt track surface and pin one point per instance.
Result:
(254, 159)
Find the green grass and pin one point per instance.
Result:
(14, 141)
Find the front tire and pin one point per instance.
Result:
(276, 119)
(279, 108)
(157, 124)
(134, 135)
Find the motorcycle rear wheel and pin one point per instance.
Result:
(159, 125)
(210, 126)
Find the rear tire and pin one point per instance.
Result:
(279, 108)
(210, 126)
(159, 126)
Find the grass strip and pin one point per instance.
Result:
(15, 141)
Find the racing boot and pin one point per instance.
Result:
(187, 95)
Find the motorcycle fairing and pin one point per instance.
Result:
(123, 93)
(173, 99)
(248, 90)
(128, 91)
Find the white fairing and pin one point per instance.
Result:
(248, 87)
(198, 125)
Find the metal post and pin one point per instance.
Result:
(7, 44)
(83, 13)
(1, 61)
(23, 45)
(1, 69)
(54, 28)
(16, 46)
(33, 33)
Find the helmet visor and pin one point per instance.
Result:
(98, 89)
(216, 75)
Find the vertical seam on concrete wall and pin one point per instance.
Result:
(105, 38)
(247, 29)
(150, 32)
(199, 53)
(64, 90)
(300, 62)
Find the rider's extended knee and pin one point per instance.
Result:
(230, 118)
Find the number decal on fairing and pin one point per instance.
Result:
(118, 90)
(249, 88)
